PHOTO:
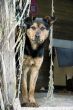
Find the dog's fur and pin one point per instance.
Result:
(36, 34)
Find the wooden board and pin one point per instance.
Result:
(7, 54)
(63, 29)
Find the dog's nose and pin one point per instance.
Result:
(37, 35)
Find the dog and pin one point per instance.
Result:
(37, 32)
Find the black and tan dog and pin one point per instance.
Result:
(36, 34)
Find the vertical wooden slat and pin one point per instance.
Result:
(8, 55)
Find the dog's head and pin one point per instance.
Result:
(38, 29)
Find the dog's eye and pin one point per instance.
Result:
(42, 28)
(33, 28)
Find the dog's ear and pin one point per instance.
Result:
(28, 21)
(50, 19)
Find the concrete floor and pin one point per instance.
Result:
(61, 101)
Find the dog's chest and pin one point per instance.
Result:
(28, 61)
(32, 62)
(39, 52)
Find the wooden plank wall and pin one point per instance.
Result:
(63, 29)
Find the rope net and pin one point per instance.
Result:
(21, 45)
(20, 42)
(51, 82)
(24, 11)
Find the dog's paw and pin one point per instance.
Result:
(29, 105)
(32, 105)
(24, 104)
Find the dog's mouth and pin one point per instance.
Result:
(35, 41)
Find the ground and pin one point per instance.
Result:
(61, 99)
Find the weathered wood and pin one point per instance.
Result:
(7, 21)
(63, 29)
(1, 101)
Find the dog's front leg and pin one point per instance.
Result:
(24, 85)
(33, 78)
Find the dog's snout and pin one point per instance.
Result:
(37, 37)
(37, 34)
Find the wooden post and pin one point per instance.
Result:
(7, 21)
